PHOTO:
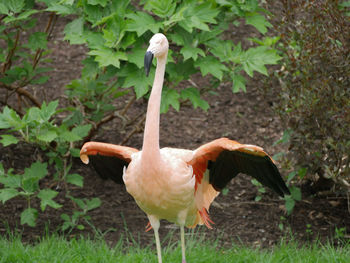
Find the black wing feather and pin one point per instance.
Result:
(109, 167)
(230, 163)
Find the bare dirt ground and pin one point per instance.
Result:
(245, 117)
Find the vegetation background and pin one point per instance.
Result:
(72, 71)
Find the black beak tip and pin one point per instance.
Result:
(148, 62)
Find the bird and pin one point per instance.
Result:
(177, 185)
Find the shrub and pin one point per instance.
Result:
(314, 100)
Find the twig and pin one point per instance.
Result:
(134, 119)
(97, 125)
(20, 90)
(136, 129)
(48, 30)
(132, 100)
(23, 92)
(108, 118)
(8, 62)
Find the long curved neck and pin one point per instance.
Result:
(150, 148)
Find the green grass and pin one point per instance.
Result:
(57, 249)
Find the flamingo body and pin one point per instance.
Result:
(177, 184)
(166, 190)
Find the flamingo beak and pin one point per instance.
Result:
(148, 62)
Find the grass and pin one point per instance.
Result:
(57, 249)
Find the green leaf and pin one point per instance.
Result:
(295, 192)
(47, 111)
(10, 119)
(258, 21)
(255, 59)
(289, 203)
(15, 6)
(114, 31)
(9, 180)
(266, 41)
(198, 16)
(22, 16)
(39, 70)
(30, 185)
(206, 12)
(291, 175)
(90, 67)
(102, 3)
(36, 170)
(106, 56)
(262, 190)
(74, 31)
(3, 9)
(180, 71)
(302, 172)
(29, 217)
(39, 81)
(287, 133)
(93, 203)
(75, 152)
(136, 78)
(66, 225)
(68, 2)
(82, 130)
(7, 194)
(70, 136)
(80, 202)
(222, 50)
(60, 9)
(65, 217)
(191, 52)
(193, 95)
(238, 82)
(37, 40)
(137, 57)
(141, 22)
(75, 179)
(256, 182)
(46, 135)
(2, 171)
(211, 65)
(161, 8)
(46, 196)
(8, 140)
(176, 17)
(169, 97)
(345, 4)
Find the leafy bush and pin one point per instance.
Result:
(36, 128)
(314, 100)
(116, 35)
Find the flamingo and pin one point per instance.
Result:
(177, 184)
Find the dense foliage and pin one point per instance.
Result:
(314, 100)
(115, 34)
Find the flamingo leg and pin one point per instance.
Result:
(183, 248)
(155, 225)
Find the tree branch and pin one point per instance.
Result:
(22, 92)
(137, 128)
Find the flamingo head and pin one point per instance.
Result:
(158, 47)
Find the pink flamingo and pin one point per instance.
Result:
(177, 184)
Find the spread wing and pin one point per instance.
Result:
(108, 159)
(225, 159)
